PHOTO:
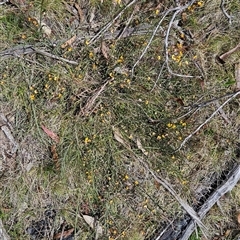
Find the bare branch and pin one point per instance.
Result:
(224, 56)
(208, 120)
(104, 29)
(225, 12)
(28, 49)
(226, 187)
(166, 41)
(3, 233)
(182, 202)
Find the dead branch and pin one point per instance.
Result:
(224, 56)
(105, 28)
(89, 107)
(166, 41)
(5, 127)
(205, 122)
(182, 202)
(164, 183)
(237, 75)
(3, 233)
(223, 189)
(225, 12)
(28, 49)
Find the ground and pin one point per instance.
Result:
(92, 91)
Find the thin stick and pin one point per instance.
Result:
(166, 41)
(104, 29)
(3, 233)
(182, 202)
(163, 182)
(151, 39)
(28, 49)
(54, 56)
(226, 187)
(208, 120)
(225, 12)
(227, 54)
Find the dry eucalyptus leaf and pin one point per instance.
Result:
(94, 225)
(118, 136)
(80, 12)
(237, 75)
(104, 49)
(45, 28)
(140, 147)
(238, 217)
(69, 42)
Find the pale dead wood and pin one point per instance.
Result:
(105, 28)
(225, 55)
(90, 105)
(181, 201)
(222, 113)
(208, 119)
(225, 12)
(227, 186)
(237, 75)
(3, 233)
(6, 128)
(28, 49)
(165, 184)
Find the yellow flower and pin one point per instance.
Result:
(200, 3)
(87, 140)
(120, 60)
(91, 55)
(169, 125)
(158, 58)
(157, 12)
(32, 97)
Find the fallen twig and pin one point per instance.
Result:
(28, 49)
(223, 189)
(105, 28)
(208, 119)
(7, 131)
(89, 107)
(3, 233)
(166, 41)
(182, 202)
(224, 56)
(225, 12)
(165, 184)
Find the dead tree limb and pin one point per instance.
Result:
(3, 233)
(208, 119)
(29, 49)
(227, 186)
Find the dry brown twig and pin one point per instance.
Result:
(223, 189)
(225, 12)
(28, 49)
(3, 233)
(89, 106)
(162, 181)
(225, 55)
(177, 10)
(208, 119)
(107, 26)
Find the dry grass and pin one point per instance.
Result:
(90, 172)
